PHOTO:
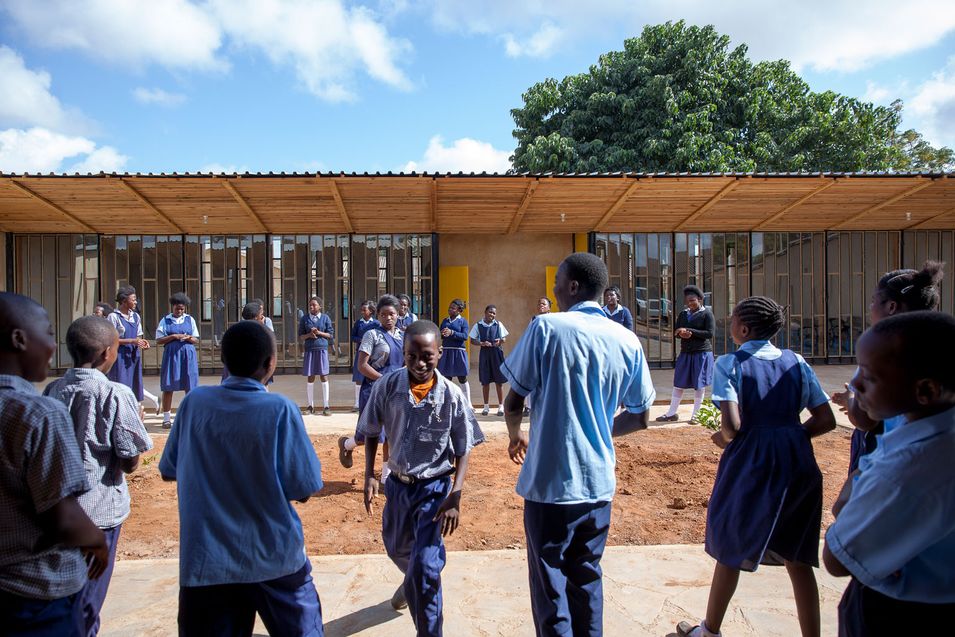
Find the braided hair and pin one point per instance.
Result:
(911, 289)
(763, 316)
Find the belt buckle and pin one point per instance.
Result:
(406, 479)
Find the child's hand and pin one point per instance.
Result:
(371, 491)
(446, 332)
(142, 343)
(142, 413)
(518, 448)
(497, 342)
(842, 398)
(718, 439)
(449, 513)
(97, 559)
(844, 494)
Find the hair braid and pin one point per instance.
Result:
(762, 315)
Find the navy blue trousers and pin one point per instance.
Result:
(413, 542)
(289, 606)
(564, 545)
(89, 601)
(865, 612)
(26, 617)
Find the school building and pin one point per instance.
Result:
(817, 243)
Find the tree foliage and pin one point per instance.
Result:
(678, 99)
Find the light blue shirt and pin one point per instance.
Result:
(726, 376)
(161, 328)
(240, 455)
(896, 534)
(581, 366)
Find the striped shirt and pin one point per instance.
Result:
(39, 466)
(108, 429)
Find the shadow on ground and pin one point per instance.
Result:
(362, 619)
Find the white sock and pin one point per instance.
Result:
(166, 416)
(310, 393)
(357, 395)
(698, 401)
(325, 394)
(350, 444)
(486, 406)
(675, 401)
(151, 397)
(466, 386)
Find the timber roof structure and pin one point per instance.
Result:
(364, 203)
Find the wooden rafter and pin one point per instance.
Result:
(712, 201)
(128, 187)
(52, 206)
(525, 202)
(617, 205)
(434, 204)
(239, 199)
(829, 183)
(921, 184)
(922, 224)
(341, 205)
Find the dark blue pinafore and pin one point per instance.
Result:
(395, 361)
(490, 358)
(766, 505)
(358, 331)
(454, 358)
(128, 369)
(180, 367)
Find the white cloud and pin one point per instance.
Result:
(540, 44)
(26, 94)
(464, 155)
(227, 169)
(932, 107)
(41, 150)
(158, 96)
(878, 93)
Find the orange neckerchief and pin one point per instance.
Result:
(420, 391)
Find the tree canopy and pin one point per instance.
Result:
(678, 99)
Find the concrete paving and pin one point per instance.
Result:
(647, 589)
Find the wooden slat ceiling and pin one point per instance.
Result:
(489, 204)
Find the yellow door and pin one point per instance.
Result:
(452, 284)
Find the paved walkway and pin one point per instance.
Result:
(648, 589)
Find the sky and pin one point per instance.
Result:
(391, 85)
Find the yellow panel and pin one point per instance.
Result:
(550, 275)
(452, 284)
(580, 242)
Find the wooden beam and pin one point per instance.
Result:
(525, 202)
(239, 199)
(52, 206)
(712, 201)
(128, 187)
(341, 206)
(921, 224)
(829, 183)
(434, 204)
(617, 205)
(921, 184)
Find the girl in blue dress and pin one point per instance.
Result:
(178, 333)
(766, 506)
(454, 356)
(362, 325)
(405, 316)
(489, 334)
(316, 332)
(128, 368)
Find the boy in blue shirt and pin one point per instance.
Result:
(241, 456)
(431, 428)
(894, 532)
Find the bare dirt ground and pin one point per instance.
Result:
(664, 478)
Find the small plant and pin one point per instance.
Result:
(709, 416)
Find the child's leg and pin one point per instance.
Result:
(357, 394)
(224, 609)
(675, 402)
(466, 386)
(310, 390)
(486, 390)
(500, 399)
(166, 406)
(725, 579)
(27, 616)
(324, 380)
(89, 601)
(806, 593)
(698, 401)
(290, 605)
(151, 397)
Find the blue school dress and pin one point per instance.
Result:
(180, 367)
(404, 321)
(128, 369)
(766, 505)
(315, 359)
(490, 358)
(396, 360)
(454, 358)
(357, 332)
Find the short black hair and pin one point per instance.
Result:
(915, 335)
(612, 288)
(246, 346)
(460, 303)
(692, 290)
(250, 311)
(105, 307)
(404, 297)
(490, 307)
(420, 328)
(544, 298)
(762, 315)
(124, 292)
(180, 298)
(370, 305)
(87, 337)
(387, 300)
(317, 299)
(589, 271)
(16, 310)
(914, 289)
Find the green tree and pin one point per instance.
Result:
(678, 99)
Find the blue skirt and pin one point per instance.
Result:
(356, 376)
(315, 362)
(180, 368)
(489, 366)
(693, 371)
(454, 362)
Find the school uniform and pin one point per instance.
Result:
(358, 331)
(620, 315)
(241, 545)
(454, 356)
(179, 370)
(385, 354)
(128, 368)
(580, 367)
(896, 533)
(425, 438)
(694, 365)
(404, 321)
(766, 505)
(108, 429)
(490, 358)
(315, 358)
(41, 466)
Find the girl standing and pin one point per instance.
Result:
(358, 330)
(766, 506)
(405, 316)
(489, 335)
(128, 369)
(615, 311)
(694, 366)
(454, 358)
(102, 309)
(178, 334)
(316, 331)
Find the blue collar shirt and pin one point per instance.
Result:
(728, 373)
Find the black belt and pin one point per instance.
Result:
(410, 479)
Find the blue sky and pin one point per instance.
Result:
(306, 85)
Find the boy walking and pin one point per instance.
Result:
(111, 435)
(431, 429)
(241, 456)
(43, 530)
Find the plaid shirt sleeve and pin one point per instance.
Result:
(130, 437)
(55, 470)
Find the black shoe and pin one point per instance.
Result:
(167, 424)
(309, 410)
(326, 411)
(344, 455)
(398, 600)
(665, 418)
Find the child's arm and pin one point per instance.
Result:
(513, 415)
(832, 563)
(365, 369)
(463, 335)
(729, 423)
(68, 524)
(371, 485)
(821, 420)
(850, 407)
(449, 513)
